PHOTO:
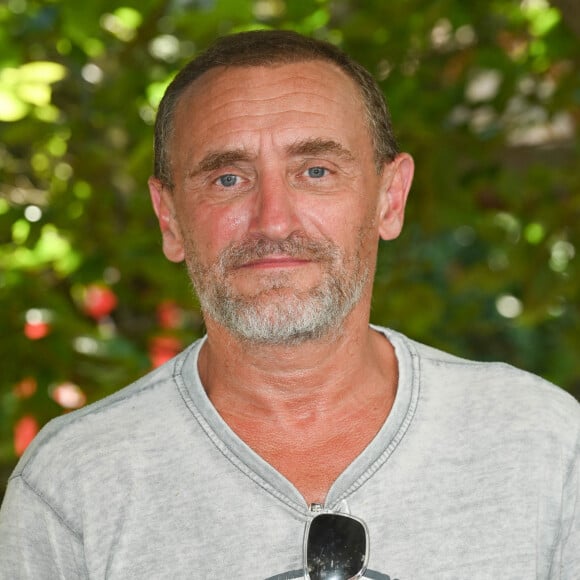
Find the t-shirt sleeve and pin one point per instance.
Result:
(35, 542)
(570, 537)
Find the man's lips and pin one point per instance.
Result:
(294, 252)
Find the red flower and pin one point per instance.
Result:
(36, 330)
(169, 314)
(24, 432)
(163, 348)
(99, 301)
(25, 388)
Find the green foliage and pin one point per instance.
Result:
(485, 95)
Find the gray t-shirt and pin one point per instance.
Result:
(474, 475)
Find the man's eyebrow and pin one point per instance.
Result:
(318, 147)
(217, 159)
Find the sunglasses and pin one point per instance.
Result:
(336, 547)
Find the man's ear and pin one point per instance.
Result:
(164, 207)
(396, 182)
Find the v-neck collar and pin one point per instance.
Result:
(250, 463)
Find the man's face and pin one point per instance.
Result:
(277, 205)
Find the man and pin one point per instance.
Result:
(295, 440)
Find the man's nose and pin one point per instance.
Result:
(274, 214)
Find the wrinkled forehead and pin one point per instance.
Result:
(249, 107)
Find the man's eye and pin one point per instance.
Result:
(228, 180)
(317, 172)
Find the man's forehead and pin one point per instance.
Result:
(212, 79)
(230, 108)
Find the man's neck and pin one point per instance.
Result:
(325, 374)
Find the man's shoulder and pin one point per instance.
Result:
(96, 451)
(503, 375)
(499, 389)
(101, 427)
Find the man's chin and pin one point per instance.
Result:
(275, 317)
(280, 332)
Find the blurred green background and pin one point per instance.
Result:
(484, 94)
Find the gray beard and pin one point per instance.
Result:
(277, 314)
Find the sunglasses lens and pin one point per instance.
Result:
(336, 547)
